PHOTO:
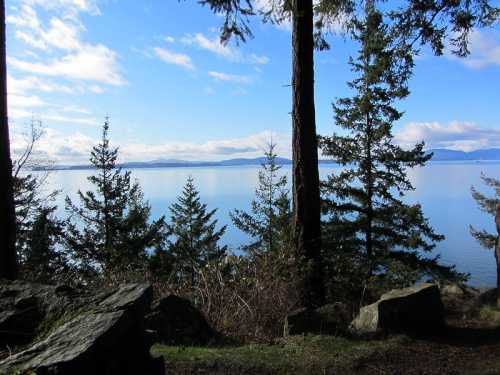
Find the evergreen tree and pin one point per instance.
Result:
(490, 205)
(194, 238)
(110, 229)
(365, 214)
(269, 221)
(417, 21)
(30, 197)
(40, 259)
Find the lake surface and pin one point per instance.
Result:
(443, 189)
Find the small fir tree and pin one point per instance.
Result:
(490, 205)
(268, 222)
(110, 229)
(193, 234)
(365, 216)
(41, 259)
(37, 256)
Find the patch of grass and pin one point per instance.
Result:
(490, 316)
(294, 355)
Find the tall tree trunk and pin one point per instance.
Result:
(497, 253)
(306, 196)
(8, 264)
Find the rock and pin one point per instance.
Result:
(98, 334)
(417, 309)
(452, 290)
(177, 321)
(328, 319)
(459, 300)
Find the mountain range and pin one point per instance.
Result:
(439, 154)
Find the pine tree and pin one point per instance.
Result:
(492, 207)
(366, 216)
(193, 235)
(426, 22)
(30, 197)
(40, 258)
(269, 221)
(112, 230)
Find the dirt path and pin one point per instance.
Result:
(464, 348)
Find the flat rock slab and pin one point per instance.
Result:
(417, 309)
(104, 338)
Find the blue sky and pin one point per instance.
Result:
(173, 91)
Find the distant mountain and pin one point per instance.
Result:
(169, 161)
(176, 163)
(254, 161)
(441, 154)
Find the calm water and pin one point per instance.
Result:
(443, 189)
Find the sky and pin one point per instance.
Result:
(172, 90)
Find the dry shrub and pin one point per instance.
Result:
(244, 298)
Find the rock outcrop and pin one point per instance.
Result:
(417, 309)
(76, 332)
(176, 321)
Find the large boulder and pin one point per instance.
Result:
(328, 319)
(99, 333)
(176, 321)
(26, 307)
(417, 309)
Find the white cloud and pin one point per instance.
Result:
(456, 135)
(26, 17)
(213, 45)
(174, 58)
(225, 51)
(243, 79)
(170, 39)
(68, 7)
(68, 55)
(21, 101)
(484, 50)
(32, 83)
(91, 62)
(75, 148)
(29, 39)
(260, 60)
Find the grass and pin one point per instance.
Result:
(294, 355)
(490, 316)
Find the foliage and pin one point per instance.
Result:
(38, 230)
(368, 228)
(41, 260)
(112, 229)
(269, 221)
(242, 297)
(193, 237)
(433, 22)
(490, 206)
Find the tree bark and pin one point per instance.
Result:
(497, 252)
(8, 263)
(306, 195)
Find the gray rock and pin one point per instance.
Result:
(417, 309)
(104, 336)
(176, 321)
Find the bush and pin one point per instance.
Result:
(246, 299)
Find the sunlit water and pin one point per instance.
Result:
(443, 189)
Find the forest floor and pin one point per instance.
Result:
(469, 345)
